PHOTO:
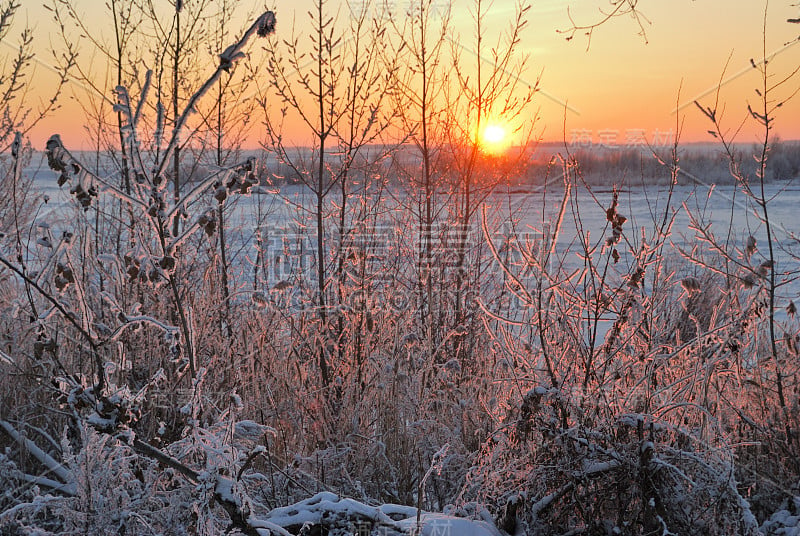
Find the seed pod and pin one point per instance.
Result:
(167, 263)
(221, 194)
(765, 267)
(691, 285)
(750, 246)
(748, 281)
(266, 24)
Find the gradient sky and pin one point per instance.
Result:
(623, 88)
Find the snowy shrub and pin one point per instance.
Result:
(622, 477)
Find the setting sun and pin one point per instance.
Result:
(494, 139)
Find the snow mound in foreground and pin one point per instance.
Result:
(343, 516)
(784, 522)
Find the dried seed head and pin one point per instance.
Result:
(266, 24)
(221, 194)
(765, 267)
(691, 285)
(167, 263)
(281, 285)
(792, 343)
(750, 245)
(16, 144)
(259, 299)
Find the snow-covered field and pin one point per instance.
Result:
(282, 218)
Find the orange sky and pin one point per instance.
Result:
(623, 84)
(621, 89)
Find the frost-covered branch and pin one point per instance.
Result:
(67, 484)
(59, 159)
(222, 175)
(68, 316)
(263, 26)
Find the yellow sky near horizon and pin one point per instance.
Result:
(622, 90)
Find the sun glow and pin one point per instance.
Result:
(494, 139)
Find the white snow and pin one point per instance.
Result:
(443, 525)
(402, 519)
